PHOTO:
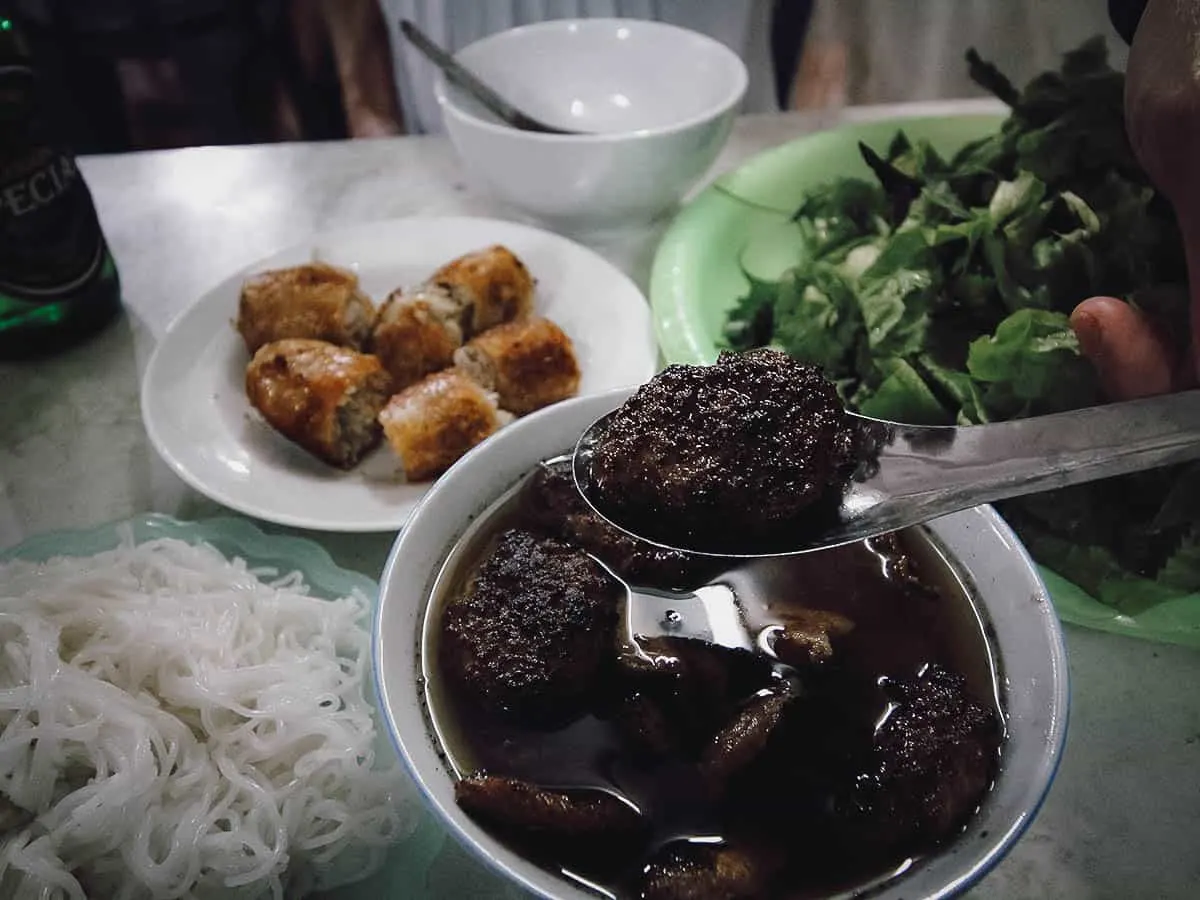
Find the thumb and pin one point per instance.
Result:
(1131, 358)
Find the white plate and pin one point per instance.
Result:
(194, 403)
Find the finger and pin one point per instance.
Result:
(1132, 360)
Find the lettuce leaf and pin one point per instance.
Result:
(903, 396)
(1032, 365)
(817, 317)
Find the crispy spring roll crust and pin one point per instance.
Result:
(315, 301)
(432, 423)
(529, 363)
(323, 397)
(492, 283)
(417, 334)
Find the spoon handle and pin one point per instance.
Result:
(461, 76)
(928, 472)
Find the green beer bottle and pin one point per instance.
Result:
(58, 281)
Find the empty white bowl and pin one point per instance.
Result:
(658, 102)
(1019, 618)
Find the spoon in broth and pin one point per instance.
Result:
(893, 476)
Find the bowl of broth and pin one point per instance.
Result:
(913, 741)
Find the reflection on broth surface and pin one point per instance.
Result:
(705, 775)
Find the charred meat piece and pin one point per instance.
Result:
(492, 284)
(430, 425)
(702, 456)
(554, 504)
(323, 397)
(314, 301)
(807, 636)
(417, 334)
(741, 741)
(529, 363)
(533, 632)
(877, 587)
(561, 816)
(645, 727)
(686, 871)
(696, 687)
(933, 760)
(898, 565)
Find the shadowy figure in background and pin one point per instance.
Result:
(145, 74)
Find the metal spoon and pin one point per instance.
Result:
(915, 473)
(461, 76)
(712, 614)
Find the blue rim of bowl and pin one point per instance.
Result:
(733, 99)
(996, 852)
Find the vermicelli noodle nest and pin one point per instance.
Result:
(173, 726)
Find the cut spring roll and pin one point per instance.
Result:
(323, 397)
(417, 333)
(529, 364)
(315, 301)
(491, 284)
(432, 423)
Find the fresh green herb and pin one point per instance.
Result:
(939, 293)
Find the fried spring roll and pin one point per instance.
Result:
(323, 397)
(432, 423)
(492, 284)
(315, 301)
(417, 333)
(529, 364)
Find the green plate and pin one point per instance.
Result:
(744, 217)
(407, 870)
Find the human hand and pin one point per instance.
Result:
(1133, 355)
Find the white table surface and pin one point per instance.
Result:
(1123, 817)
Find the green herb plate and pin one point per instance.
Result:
(423, 865)
(744, 218)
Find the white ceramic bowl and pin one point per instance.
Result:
(1023, 627)
(658, 102)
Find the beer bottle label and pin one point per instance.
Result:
(50, 238)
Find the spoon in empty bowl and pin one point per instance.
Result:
(909, 474)
(464, 78)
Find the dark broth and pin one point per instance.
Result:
(889, 639)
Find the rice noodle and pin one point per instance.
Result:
(175, 727)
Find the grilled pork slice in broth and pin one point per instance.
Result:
(315, 301)
(323, 397)
(568, 816)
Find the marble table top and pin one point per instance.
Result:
(1123, 817)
